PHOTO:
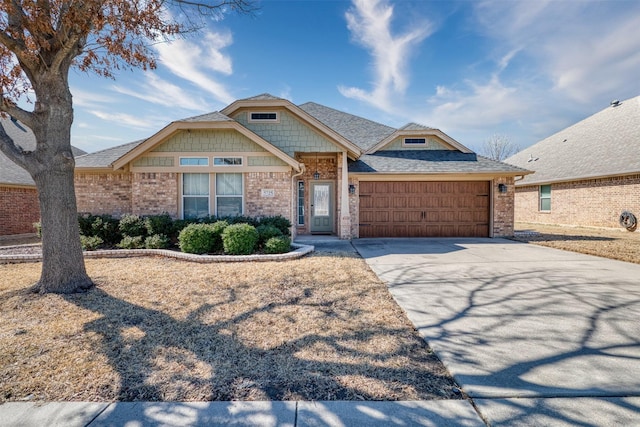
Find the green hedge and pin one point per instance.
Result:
(239, 239)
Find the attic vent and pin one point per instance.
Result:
(263, 117)
(415, 141)
(615, 103)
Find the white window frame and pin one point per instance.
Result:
(193, 157)
(545, 197)
(252, 120)
(183, 196)
(228, 157)
(300, 212)
(215, 195)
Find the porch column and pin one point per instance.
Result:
(345, 216)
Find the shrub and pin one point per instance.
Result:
(278, 221)
(90, 243)
(239, 239)
(240, 220)
(129, 242)
(218, 228)
(277, 245)
(157, 241)
(197, 238)
(105, 227)
(38, 227)
(265, 232)
(85, 222)
(132, 226)
(159, 224)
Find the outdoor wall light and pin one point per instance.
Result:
(502, 188)
(352, 189)
(316, 175)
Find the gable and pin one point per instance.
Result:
(208, 140)
(288, 133)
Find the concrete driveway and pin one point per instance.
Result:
(536, 336)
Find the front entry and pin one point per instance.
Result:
(321, 207)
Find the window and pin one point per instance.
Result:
(228, 194)
(195, 195)
(194, 161)
(300, 202)
(263, 117)
(415, 141)
(227, 161)
(545, 198)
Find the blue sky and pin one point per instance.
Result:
(524, 69)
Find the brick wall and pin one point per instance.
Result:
(106, 193)
(19, 209)
(354, 208)
(155, 193)
(592, 203)
(257, 205)
(503, 207)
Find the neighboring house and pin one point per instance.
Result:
(327, 171)
(19, 207)
(586, 174)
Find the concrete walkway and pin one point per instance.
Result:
(536, 336)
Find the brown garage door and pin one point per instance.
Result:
(424, 209)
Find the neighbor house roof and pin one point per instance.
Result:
(604, 144)
(107, 157)
(10, 173)
(431, 162)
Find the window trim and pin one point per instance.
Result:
(542, 197)
(414, 143)
(258, 120)
(228, 157)
(183, 196)
(300, 211)
(193, 157)
(215, 195)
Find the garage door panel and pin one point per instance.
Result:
(424, 209)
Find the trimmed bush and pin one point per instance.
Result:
(218, 228)
(197, 238)
(239, 239)
(157, 241)
(265, 232)
(129, 242)
(278, 221)
(277, 245)
(132, 226)
(90, 243)
(38, 228)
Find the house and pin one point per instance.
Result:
(587, 174)
(327, 171)
(19, 206)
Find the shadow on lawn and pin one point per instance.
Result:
(151, 350)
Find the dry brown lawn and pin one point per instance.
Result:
(609, 243)
(154, 329)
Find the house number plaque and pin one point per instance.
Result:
(268, 192)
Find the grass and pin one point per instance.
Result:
(608, 243)
(154, 329)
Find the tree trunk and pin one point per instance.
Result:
(63, 269)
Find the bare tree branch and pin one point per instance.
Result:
(499, 147)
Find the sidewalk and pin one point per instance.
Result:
(435, 413)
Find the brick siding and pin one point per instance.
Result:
(155, 193)
(503, 208)
(591, 203)
(107, 193)
(280, 204)
(19, 209)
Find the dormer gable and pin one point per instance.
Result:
(414, 136)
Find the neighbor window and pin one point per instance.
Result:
(300, 202)
(263, 117)
(227, 161)
(545, 198)
(195, 195)
(194, 161)
(415, 141)
(228, 194)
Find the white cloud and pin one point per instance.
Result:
(126, 119)
(162, 92)
(370, 24)
(195, 61)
